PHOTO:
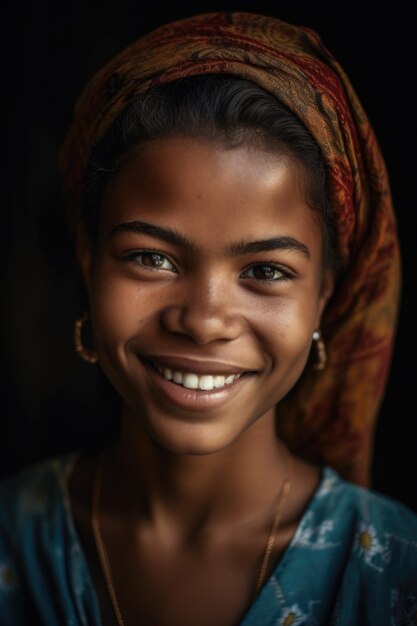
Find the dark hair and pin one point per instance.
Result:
(223, 108)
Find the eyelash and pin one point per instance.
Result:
(286, 275)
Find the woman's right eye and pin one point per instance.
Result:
(150, 261)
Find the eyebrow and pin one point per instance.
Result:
(176, 238)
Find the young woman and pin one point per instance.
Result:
(236, 238)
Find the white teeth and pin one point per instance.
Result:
(190, 381)
(193, 381)
(177, 377)
(206, 382)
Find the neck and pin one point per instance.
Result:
(184, 493)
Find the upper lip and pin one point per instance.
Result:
(185, 364)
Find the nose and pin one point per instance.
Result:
(204, 311)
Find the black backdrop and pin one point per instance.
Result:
(50, 51)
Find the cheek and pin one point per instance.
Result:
(286, 325)
(286, 334)
(119, 310)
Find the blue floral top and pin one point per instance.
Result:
(352, 560)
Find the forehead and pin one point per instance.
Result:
(211, 192)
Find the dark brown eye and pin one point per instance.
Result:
(265, 272)
(153, 260)
(150, 260)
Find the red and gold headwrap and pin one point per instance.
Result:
(329, 415)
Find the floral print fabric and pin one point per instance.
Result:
(351, 562)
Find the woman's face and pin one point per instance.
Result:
(208, 262)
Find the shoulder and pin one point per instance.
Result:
(40, 554)
(376, 537)
(366, 510)
(357, 551)
(382, 558)
(364, 535)
(32, 507)
(33, 492)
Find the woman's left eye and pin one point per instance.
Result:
(268, 273)
(150, 260)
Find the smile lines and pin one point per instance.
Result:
(193, 381)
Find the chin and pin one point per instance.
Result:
(184, 438)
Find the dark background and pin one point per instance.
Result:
(50, 398)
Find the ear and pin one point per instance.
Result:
(84, 252)
(326, 291)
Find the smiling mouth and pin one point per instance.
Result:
(198, 382)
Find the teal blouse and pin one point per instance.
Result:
(352, 560)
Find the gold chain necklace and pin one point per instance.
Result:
(104, 558)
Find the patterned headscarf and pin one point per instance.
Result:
(329, 415)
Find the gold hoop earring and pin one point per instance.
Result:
(321, 351)
(87, 355)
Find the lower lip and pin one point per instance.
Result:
(195, 398)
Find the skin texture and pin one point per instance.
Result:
(197, 486)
